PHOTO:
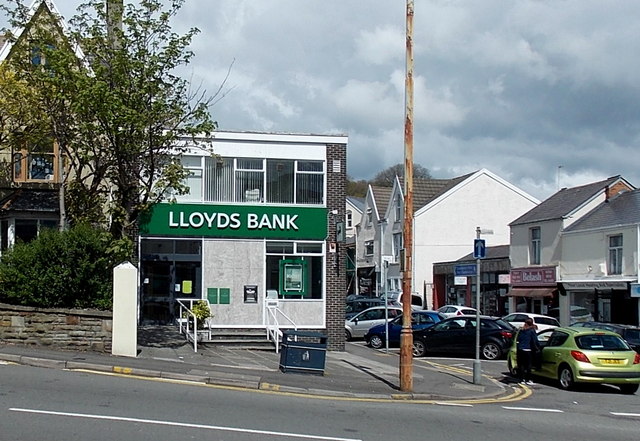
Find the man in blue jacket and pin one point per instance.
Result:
(527, 345)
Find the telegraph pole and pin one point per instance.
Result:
(406, 335)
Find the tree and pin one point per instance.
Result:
(114, 104)
(386, 177)
(356, 188)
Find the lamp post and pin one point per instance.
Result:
(406, 335)
(478, 253)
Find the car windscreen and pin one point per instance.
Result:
(503, 324)
(547, 321)
(601, 342)
(632, 335)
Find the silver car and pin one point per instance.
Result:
(358, 325)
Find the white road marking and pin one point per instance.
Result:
(625, 414)
(444, 403)
(533, 409)
(178, 424)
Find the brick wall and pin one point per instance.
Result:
(336, 262)
(60, 328)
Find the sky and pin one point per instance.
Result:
(543, 93)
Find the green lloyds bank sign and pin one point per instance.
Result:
(235, 221)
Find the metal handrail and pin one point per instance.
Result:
(273, 330)
(184, 322)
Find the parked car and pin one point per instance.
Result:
(358, 325)
(454, 310)
(377, 335)
(631, 334)
(542, 322)
(417, 301)
(577, 314)
(582, 355)
(457, 335)
(360, 303)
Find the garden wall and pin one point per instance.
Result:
(82, 329)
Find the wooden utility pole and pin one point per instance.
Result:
(406, 335)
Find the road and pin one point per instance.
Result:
(49, 404)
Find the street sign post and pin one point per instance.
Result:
(479, 249)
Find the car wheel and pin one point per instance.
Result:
(347, 335)
(491, 350)
(376, 342)
(512, 369)
(565, 377)
(629, 389)
(419, 348)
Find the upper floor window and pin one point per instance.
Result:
(615, 254)
(255, 180)
(369, 216)
(534, 246)
(349, 219)
(368, 248)
(397, 245)
(37, 163)
(398, 208)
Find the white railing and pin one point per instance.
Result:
(273, 325)
(186, 318)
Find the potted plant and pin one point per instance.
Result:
(202, 312)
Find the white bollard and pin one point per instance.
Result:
(124, 338)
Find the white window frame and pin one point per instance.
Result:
(615, 255)
(535, 246)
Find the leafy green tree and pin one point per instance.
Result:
(114, 104)
(69, 269)
(386, 177)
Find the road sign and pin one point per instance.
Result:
(465, 270)
(479, 249)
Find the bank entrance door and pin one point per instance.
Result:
(170, 269)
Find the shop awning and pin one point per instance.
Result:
(531, 292)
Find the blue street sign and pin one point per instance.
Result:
(465, 270)
(479, 249)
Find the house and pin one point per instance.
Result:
(537, 247)
(446, 215)
(368, 235)
(598, 268)
(353, 214)
(31, 172)
(258, 228)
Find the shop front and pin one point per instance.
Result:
(604, 300)
(257, 233)
(533, 289)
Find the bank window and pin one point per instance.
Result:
(295, 269)
(280, 181)
(249, 180)
(193, 164)
(218, 185)
(310, 182)
(368, 248)
(615, 254)
(534, 246)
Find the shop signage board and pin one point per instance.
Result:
(542, 276)
(465, 270)
(235, 221)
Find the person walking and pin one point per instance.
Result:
(527, 345)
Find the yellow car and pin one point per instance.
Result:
(580, 355)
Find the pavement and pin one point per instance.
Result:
(358, 372)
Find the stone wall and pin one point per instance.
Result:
(82, 329)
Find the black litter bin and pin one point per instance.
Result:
(303, 352)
